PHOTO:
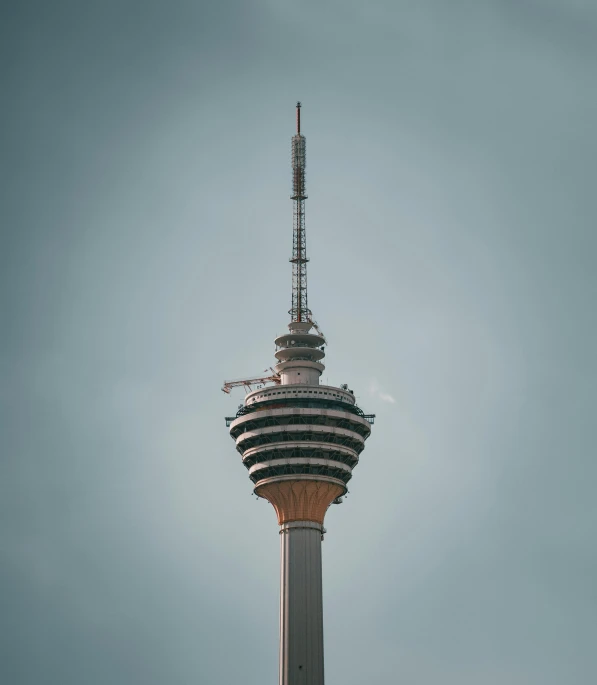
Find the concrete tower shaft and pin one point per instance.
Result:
(301, 605)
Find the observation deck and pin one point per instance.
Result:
(300, 440)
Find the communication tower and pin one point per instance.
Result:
(300, 442)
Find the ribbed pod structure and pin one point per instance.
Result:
(300, 441)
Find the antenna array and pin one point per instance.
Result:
(299, 310)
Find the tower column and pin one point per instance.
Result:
(301, 604)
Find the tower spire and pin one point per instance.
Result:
(299, 311)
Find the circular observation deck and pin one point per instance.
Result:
(300, 391)
(300, 440)
(299, 346)
(300, 433)
(299, 338)
(303, 352)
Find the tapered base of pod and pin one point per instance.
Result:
(300, 500)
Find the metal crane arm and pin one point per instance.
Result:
(248, 382)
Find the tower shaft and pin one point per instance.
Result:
(301, 607)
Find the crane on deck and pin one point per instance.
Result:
(247, 383)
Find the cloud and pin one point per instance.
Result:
(386, 397)
(374, 389)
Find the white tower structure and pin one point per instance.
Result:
(300, 442)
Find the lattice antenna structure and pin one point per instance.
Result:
(300, 311)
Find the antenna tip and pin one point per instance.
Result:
(298, 104)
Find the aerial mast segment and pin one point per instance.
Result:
(299, 311)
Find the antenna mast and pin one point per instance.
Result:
(300, 310)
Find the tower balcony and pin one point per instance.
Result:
(307, 413)
(280, 435)
(303, 352)
(299, 338)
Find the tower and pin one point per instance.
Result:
(300, 442)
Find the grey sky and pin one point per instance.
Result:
(146, 228)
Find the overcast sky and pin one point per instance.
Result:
(146, 230)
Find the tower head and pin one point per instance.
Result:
(300, 440)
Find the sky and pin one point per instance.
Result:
(145, 234)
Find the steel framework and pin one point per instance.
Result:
(300, 310)
(247, 383)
